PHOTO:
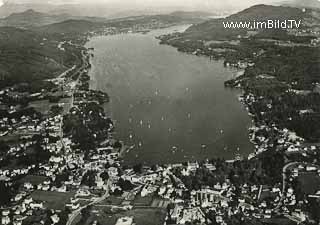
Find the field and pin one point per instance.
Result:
(44, 106)
(141, 217)
(66, 104)
(53, 200)
(142, 201)
(34, 180)
(309, 183)
(112, 200)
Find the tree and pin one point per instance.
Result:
(125, 184)
(6, 194)
(137, 168)
(104, 176)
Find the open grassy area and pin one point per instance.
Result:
(42, 106)
(112, 200)
(309, 183)
(33, 179)
(141, 217)
(52, 199)
(142, 201)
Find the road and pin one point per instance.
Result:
(75, 213)
(79, 70)
(284, 178)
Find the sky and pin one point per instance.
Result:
(155, 3)
(107, 7)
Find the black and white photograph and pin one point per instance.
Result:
(160, 112)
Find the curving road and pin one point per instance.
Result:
(284, 178)
(76, 213)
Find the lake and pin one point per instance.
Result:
(171, 106)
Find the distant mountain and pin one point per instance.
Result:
(192, 14)
(10, 8)
(87, 24)
(31, 18)
(71, 26)
(302, 3)
(111, 10)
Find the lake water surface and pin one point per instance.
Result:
(171, 106)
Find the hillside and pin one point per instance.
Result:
(34, 53)
(27, 56)
(267, 12)
(214, 29)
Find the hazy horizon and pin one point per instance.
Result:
(123, 8)
(204, 5)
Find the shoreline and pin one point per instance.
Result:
(233, 83)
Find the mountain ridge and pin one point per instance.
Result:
(214, 29)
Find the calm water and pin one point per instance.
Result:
(172, 106)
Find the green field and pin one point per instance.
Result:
(33, 179)
(142, 201)
(42, 106)
(141, 217)
(53, 200)
(112, 200)
(309, 183)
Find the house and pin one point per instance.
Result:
(210, 166)
(5, 212)
(206, 196)
(99, 183)
(5, 220)
(148, 189)
(28, 200)
(83, 192)
(311, 168)
(175, 212)
(55, 218)
(17, 222)
(125, 221)
(28, 186)
(295, 172)
(112, 171)
(193, 166)
(73, 206)
(192, 214)
(35, 205)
